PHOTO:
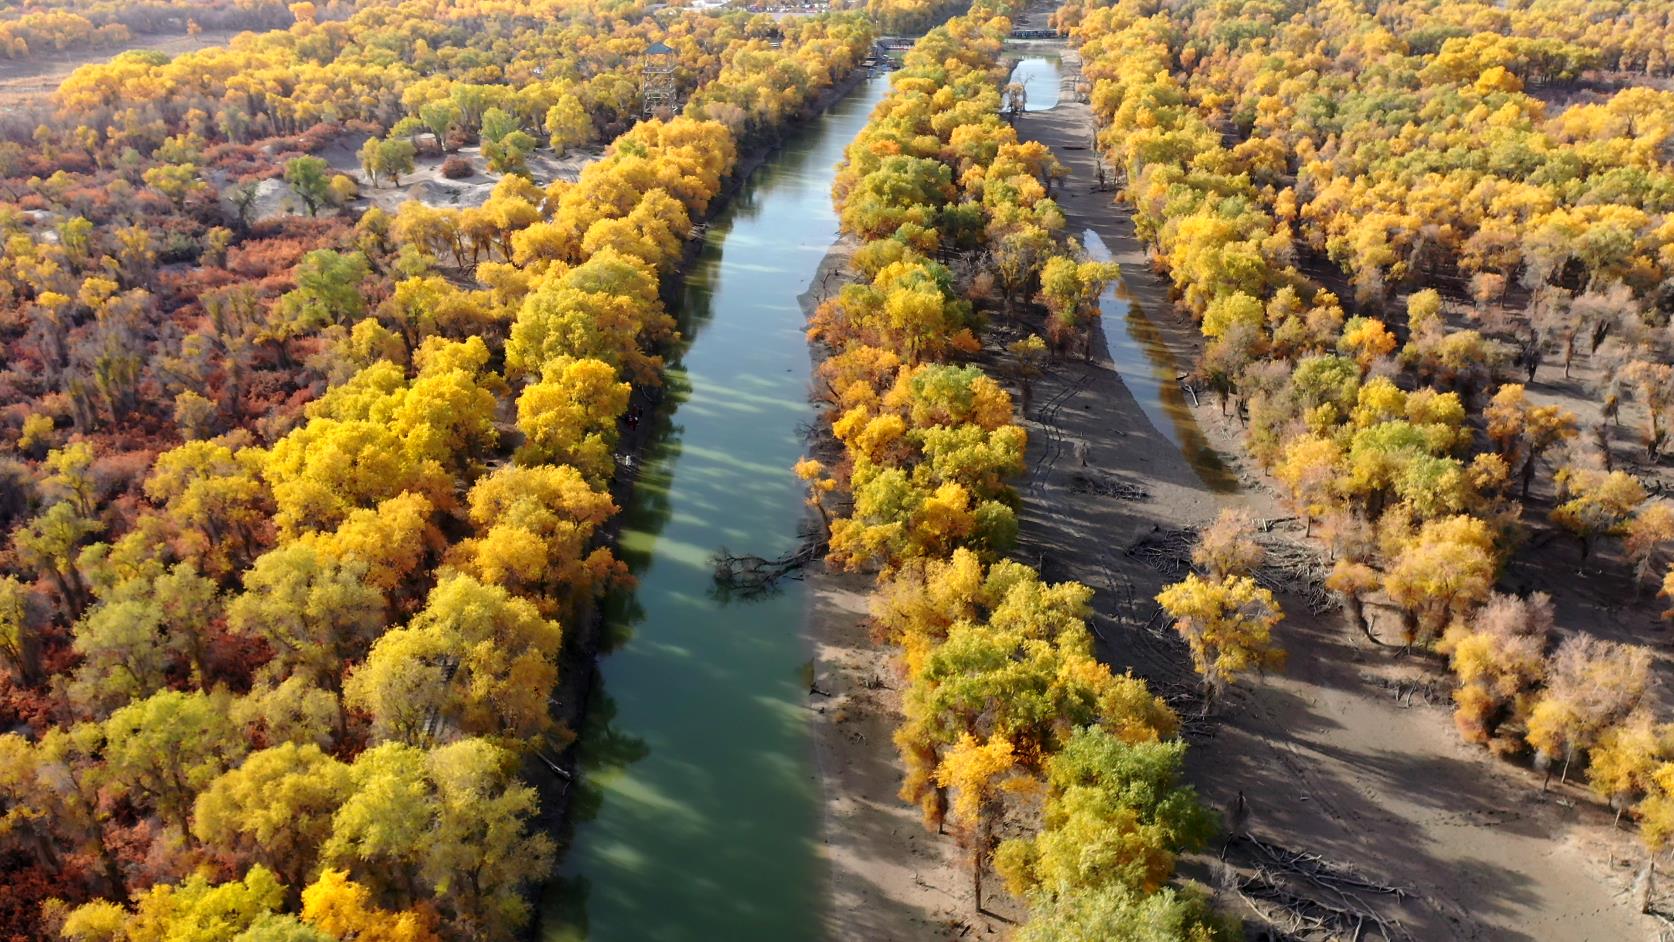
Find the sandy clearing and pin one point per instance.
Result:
(427, 185)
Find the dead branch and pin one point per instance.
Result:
(1105, 485)
(1309, 897)
(754, 576)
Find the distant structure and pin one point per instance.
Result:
(656, 80)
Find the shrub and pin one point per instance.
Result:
(457, 168)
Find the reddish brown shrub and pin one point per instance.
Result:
(457, 168)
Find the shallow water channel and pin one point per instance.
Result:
(1149, 370)
(698, 817)
(1041, 83)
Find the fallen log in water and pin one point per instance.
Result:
(752, 576)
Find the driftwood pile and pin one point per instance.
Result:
(1106, 485)
(1294, 567)
(1168, 551)
(1311, 898)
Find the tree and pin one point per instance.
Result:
(451, 824)
(605, 309)
(1591, 686)
(1622, 766)
(317, 613)
(1029, 358)
(1595, 503)
(125, 653)
(328, 291)
(1648, 534)
(504, 144)
(1309, 471)
(1653, 384)
(1424, 311)
(70, 477)
(535, 533)
(475, 661)
(194, 910)
(1116, 814)
(344, 908)
(1351, 580)
(570, 416)
(1228, 547)
(1365, 340)
(387, 157)
(19, 633)
(295, 711)
(50, 544)
(1499, 657)
(165, 749)
(310, 180)
(440, 117)
(216, 499)
(1441, 573)
(975, 771)
(1523, 431)
(1071, 289)
(568, 124)
(1021, 677)
(1115, 912)
(275, 808)
(1228, 625)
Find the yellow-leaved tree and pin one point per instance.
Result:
(1228, 624)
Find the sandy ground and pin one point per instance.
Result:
(427, 185)
(1331, 761)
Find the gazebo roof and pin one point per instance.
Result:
(659, 49)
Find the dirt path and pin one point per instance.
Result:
(1331, 761)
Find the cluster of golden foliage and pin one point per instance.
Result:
(1403, 145)
(1006, 706)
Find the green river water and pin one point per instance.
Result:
(698, 815)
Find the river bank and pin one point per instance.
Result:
(888, 878)
(1332, 761)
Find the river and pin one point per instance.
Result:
(698, 817)
(1040, 80)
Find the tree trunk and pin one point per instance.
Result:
(1356, 611)
(1642, 887)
